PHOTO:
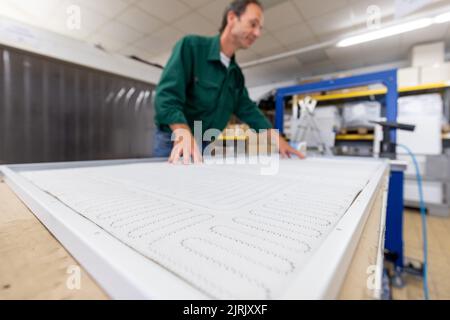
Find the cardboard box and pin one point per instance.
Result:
(435, 74)
(426, 139)
(408, 77)
(427, 55)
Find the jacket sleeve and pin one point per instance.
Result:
(171, 91)
(247, 111)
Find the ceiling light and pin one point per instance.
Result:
(442, 18)
(386, 32)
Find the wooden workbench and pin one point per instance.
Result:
(34, 265)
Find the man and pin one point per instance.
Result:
(202, 82)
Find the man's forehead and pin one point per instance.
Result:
(254, 12)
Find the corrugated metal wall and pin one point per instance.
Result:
(55, 111)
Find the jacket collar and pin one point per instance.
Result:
(214, 52)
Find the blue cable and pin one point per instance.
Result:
(424, 222)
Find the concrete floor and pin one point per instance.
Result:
(438, 257)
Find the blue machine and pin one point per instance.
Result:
(394, 218)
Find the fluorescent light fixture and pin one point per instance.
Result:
(445, 17)
(386, 32)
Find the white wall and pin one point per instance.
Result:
(17, 35)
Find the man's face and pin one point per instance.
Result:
(246, 28)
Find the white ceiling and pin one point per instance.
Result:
(149, 29)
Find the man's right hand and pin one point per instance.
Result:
(184, 145)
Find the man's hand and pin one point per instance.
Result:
(184, 145)
(284, 148)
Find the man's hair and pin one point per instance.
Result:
(238, 7)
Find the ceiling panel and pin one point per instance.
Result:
(214, 10)
(360, 10)
(139, 19)
(317, 68)
(246, 55)
(281, 16)
(7, 9)
(333, 22)
(315, 8)
(267, 44)
(160, 41)
(109, 8)
(161, 59)
(40, 10)
(90, 21)
(312, 56)
(196, 3)
(119, 31)
(435, 32)
(382, 51)
(165, 10)
(448, 38)
(298, 35)
(134, 51)
(346, 56)
(108, 43)
(275, 72)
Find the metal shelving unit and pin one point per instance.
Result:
(363, 143)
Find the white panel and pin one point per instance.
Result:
(239, 235)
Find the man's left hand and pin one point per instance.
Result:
(284, 148)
